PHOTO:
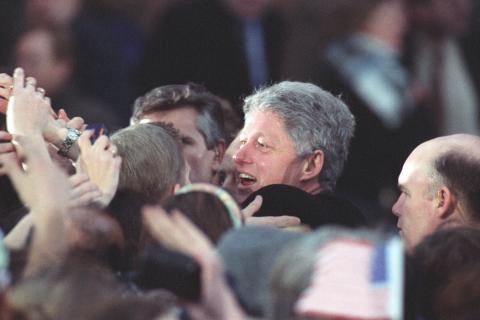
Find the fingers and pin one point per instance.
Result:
(77, 179)
(62, 115)
(84, 193)
(76, 123)
(84, 141)
(85, 199)
(41, 92)
(18, 80)
(5, 80)
(5, 89)
(279, 222)
(175, 231)
(5, 136)
(252, 207)
(102, 143)
(6, 147)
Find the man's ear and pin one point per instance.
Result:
(445, 202)
(219, 150)
(176, 187)
(313, 165)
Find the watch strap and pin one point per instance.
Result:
(72, 136)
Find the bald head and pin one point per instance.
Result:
(462, 143)
(439, 184)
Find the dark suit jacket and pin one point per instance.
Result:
(201, 41)
(313, 210)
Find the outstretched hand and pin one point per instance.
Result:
(277, 221)
(176, 232)
(28, 110)
(101, 164)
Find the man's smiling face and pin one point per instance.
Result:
(266, 155)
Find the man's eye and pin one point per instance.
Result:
(262, 145)
(186, 141)
(243, 142)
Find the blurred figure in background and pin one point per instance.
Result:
(48, 55)
(230, 46)
(437, 60)
(107, 46)
(446, 267)
(364, 67)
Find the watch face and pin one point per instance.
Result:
(73, 134)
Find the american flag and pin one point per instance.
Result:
(356, 279)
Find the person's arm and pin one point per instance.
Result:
(57, 126)
(41, 185)
(16, 239)
(44, 188)
(178, 233)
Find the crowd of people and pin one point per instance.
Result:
(231, 159)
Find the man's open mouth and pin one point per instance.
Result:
(246, 179)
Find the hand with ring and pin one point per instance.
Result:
(101, 163)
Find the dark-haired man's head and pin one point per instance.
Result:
(198, 116)
(440, 186)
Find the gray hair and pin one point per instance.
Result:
(314, 119)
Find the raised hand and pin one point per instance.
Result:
(83, 191)
(178, 233)
(101, 164)
(277, 221)
(28, 110)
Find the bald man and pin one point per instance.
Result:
(440, 186)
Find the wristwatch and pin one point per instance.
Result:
(72, 136)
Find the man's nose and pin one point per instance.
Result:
(396, 207)
(241, 155)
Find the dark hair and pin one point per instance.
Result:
(210, 122)
(205, 210)
(126, 208)
(441, 261)
(461, 174)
